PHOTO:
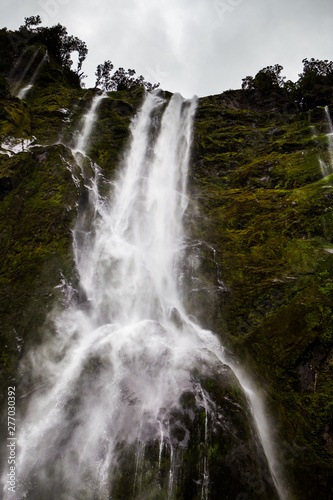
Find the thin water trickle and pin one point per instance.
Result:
(326, 168)
(88, 123)
(329, 136)
(160, 446)
(18, 73)
(23, 92)
(205, 479)
(124, 356)
(171, 471)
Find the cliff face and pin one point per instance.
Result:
(260, 216)
(266, 210)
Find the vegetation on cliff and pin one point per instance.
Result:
(313, 88)
(266, 210)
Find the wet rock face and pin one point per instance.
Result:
(316, 358)
(328, 437)
(259, 201)
(201, 282)
(41, 188)
(37, 207)
(206, 448)
(6, 186)
(258, 101)
(203, 448)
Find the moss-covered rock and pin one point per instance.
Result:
(37, 212)
(209, 450)
(15, 121)
(264, 211)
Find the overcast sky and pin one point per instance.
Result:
(197, 47)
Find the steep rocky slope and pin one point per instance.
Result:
(265, 214)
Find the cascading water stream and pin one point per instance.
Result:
(329, 136)
(23, 92)
(18, 73)
(326, 168)
(88, 123)
(111, 374)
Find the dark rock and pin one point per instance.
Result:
(309, 369)
(6, 186)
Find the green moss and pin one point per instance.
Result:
(14, 119)
(36, 217)
(256, 179)
(111, 133)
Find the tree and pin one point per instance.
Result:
(61, 45)
(121, 79)
(248, 83)
(266, 79)
(322, 68)
(313, 87)
(315, 72)
(269, 78)
(31, 21)
(74, 44)
(103, 77)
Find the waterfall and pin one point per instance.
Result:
(329, 136)
(326, 167)
(88, 122)
(23, 92)
(106, 385)
(21, 68)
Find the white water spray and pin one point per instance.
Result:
(88, 123)
(18, 74)
(326, 168)
(329, 136)
(124, 355)
(23, 92)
